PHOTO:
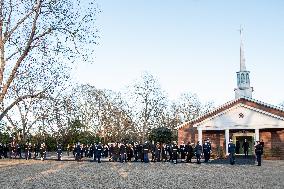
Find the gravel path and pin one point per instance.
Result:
(85, 174)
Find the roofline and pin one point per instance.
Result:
(278, 108)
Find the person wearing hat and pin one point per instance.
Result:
(198, 152)
(232, 152)
(182, 151)
(189, 152)
(175, 152)
(136, 151)
(99, 152)
(258, 152)
(158, 152)
(145, 153)
(206, 151)
(59, 152)
(78, 152)
(42, 151)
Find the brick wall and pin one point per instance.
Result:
(273, 138)
(187, 134)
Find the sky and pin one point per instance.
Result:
(190, 46)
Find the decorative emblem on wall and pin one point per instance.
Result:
(241, 115)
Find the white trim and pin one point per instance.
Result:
(231, 102)
(264, 112)
(256, 136)
(227, 138)
(234, 107)
(200, 134)
(242, 127)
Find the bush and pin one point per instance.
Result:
(275, 151)
(161, 134)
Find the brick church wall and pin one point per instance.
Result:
(273, 142)
(273, 139)
(187, 134)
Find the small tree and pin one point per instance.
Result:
(161, 134)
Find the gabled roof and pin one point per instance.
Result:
(277, 110)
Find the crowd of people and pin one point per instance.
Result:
(15, 150)
(126, 152)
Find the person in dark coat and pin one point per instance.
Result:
(59, 152)
(122, 152)
(164, 153)
(206, 150)
(1, 150)
(106, 151)
(78, 152)
(110, 152)
(68, 149)
(136, 151)
(99, 152)
(28, 149)
(246, 148)
(189, 152)
(145, 153)
(238, 145)
(91, 151)
(258, 152)
(198, 152)
(158, 152)
(175, 152)
(129, 152)
(232, 152)
(95, 151)
(42, 151)
(182, 151)
(169, 152)
(74, 150)
(19, 150)
(13, 150)
(140, 152)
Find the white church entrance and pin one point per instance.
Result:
(239, 138)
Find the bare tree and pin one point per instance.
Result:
(103, 112)
(32, 112)
(42, 31)
(149, 103)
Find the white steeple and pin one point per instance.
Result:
(242, 53)
(243, 79)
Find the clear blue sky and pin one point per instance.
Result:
(190, 45)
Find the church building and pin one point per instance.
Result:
(239, 119)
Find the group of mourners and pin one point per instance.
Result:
(15, 150)
(258, 149)
(126, 152)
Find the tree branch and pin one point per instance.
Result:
(17, 101)
(24, 54)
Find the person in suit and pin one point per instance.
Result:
(258, 152)
(232, 152)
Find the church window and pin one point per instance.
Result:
(247, 78)
(238, 77)
(243, 78)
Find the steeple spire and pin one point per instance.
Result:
(242, 53)
(243, 79)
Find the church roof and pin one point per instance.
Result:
(279, 111)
